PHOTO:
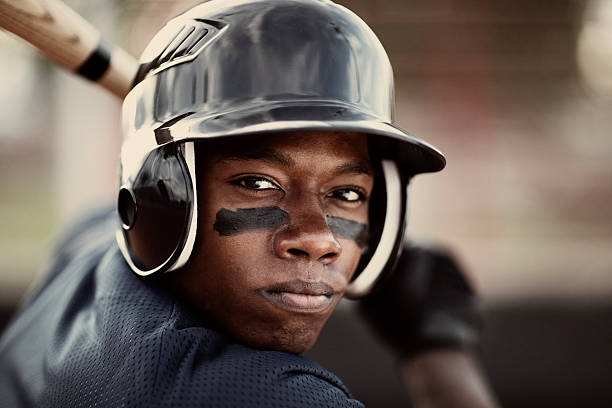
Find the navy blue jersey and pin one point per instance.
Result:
(95, 334)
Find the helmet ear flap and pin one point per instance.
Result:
(156, 209)
(387, 230)
(376, 214)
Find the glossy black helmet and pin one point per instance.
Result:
(227, 68)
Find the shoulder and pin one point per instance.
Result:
(103, 335)
(181, 361)
(174, 359)
(232, 375)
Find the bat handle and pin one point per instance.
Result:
(70, 41)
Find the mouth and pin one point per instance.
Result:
(300, 296)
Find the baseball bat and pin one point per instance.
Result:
(70, 41)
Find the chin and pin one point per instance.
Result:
(291, 340)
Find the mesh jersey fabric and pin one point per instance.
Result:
(96, 335)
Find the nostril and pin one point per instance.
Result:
(297, 252)
(329, 255)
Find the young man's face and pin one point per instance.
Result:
(282, 225)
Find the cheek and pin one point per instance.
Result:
(223, 283)
(234, 260)
(238, 264)
(351, 255)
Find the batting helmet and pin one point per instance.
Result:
(227, 68)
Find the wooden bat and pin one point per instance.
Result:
(70, 41)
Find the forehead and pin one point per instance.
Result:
(285, 148)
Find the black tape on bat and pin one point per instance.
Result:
(234, 222)
(350, 229)
(97, 63)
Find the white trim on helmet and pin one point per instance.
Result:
(193, 225)
(393, 217)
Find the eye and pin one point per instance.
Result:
(348, 194)
(256, 183)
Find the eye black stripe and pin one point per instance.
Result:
(234, 222)
(350, 229)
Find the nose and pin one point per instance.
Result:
(308, 237)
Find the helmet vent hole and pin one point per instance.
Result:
(174, 46)
(187, 41)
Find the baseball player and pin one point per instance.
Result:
(261, 181)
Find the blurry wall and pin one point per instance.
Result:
(516, 93)
(495, 84)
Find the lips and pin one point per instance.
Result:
(300, 296)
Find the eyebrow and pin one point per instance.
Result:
(354, 167)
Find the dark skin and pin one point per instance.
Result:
(275, 287)
(273, 279)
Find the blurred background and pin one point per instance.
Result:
(517, 93)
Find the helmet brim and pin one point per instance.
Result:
(412, 155)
